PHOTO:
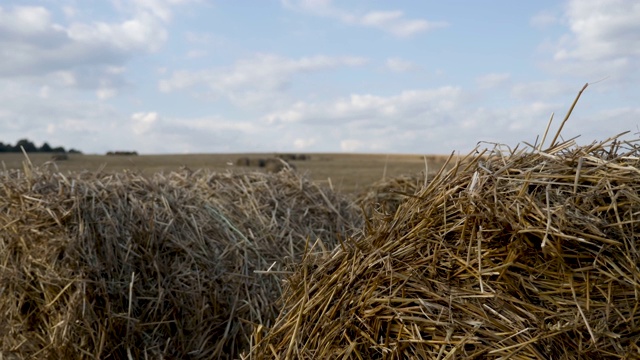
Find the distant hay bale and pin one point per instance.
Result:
(274, 165)
(292, 157)
(177, 266)
(286, 157)
(257, 162)
(243, 161)
(122, 153)
(525, 255)
(60, 157)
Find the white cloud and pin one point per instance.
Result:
(195, 54)
(197, 37)
(435, 120)
(393, 22)
(42, 113)
(544, 90)
(396, 64)
(87, 55)
(352, 145)
(33, 44)
(493, 80)
(160, 9)
(544, 19)
(603, 40)
(257, 79)
(406, 107)
(303, 143)
(25, 21)
(197, 134)
(106, 93)
(69, 11)
(142, 122)
(142, 34)
(64, 78)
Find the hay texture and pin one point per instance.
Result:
(178, 266)
(383, 198)
(524, 254)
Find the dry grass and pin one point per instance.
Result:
(382, 198)
(174, 266)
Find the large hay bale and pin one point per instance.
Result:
(525, 255)
(120, 266)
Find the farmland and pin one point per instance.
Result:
(349, 173)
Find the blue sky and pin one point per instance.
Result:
(200, 76)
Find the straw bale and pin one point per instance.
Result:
(275, 165)
(257, 162)
(243, 161)
(59, 157)
(523, 254)
(176, 266)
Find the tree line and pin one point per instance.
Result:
(30, 147)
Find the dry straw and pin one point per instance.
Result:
(178, 266)
(518, 254)
(382, 198)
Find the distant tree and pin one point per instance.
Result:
(45, 148)
(30, 147)
(27, 145)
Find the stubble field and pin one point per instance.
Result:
(347, 173)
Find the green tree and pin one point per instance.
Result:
(45, 148)
(27, 145)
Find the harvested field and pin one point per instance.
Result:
(346, 173)
(523, 254)
(175, 266)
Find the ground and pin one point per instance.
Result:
(349, 173)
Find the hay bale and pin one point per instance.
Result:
(257, 162)
(174, 266)
(274, 165)
(243, 161)
(286, 157)
(122, 153)
(59, 157)
(524, 255)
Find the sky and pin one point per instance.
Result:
(419, 77)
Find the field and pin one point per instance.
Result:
(349, 173)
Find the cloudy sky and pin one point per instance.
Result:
(198, 76)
